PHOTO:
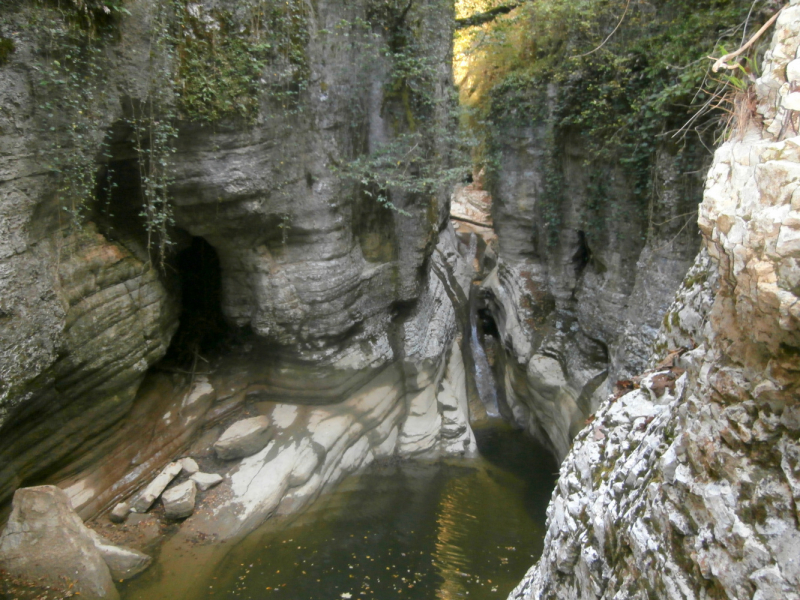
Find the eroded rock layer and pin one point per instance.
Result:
(688, 486)
(582, 283)
(330, 290)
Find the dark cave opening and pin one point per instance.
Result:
(203, 331)
(191, 270)
(489, 336)
(583, 254)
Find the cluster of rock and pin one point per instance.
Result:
(243, 438)
(689, 486)
(179, 500)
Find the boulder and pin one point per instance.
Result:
(189, 466)
(46, 541)
(123, 562)
(158, 485)
(120, 512)
(206, 481)
(179, 500)
(244, 438)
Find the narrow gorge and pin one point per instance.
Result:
(311, 298)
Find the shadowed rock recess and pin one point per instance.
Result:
(688, 487)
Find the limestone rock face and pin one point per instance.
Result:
(116, 319)
(46, 542)
(690, 490)
(588, 293)
(315, 271)
(243, 438)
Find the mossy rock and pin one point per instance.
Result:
(7, 48)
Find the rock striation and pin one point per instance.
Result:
(687, 487)
(321, 281)
(345, 317)
(578, 304)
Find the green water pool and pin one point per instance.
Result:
(465, 528)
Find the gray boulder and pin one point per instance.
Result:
(244, 438)
(189, 466)
(158, 485)
(120, 512)
(179, 500)
(123, 562)
(44, 540)
(206, 481)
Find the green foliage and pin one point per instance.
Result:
(7, 47)
(68, 76)
(91, 15)
(206, 65)
(72, 91)
(621, 77)
(428, 152)
(227, 60)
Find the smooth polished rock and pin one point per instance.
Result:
(120, 512)
(244, 438)
(123, 563)
(189, 466)
(206, 481)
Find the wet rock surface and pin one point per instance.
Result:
(687, 487)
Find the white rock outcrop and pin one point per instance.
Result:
(244, 438)
(688, 487)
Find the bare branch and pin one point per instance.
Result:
(722, 63)
(485, 17)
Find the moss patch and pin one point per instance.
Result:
(227, 63)
(7, 47)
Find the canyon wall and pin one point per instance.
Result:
(327, 296)
(687, 487)
(578, 306)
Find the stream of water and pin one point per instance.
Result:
(466, 528)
